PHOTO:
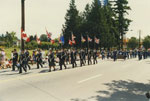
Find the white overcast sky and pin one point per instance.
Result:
(51, 13)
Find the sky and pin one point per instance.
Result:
(50, 14)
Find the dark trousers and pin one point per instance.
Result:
(27, 65)
(24, 68)
(95, 60)
(89, 61)
(39, 64)
(61, 64)
(82, 62)
(14, 65)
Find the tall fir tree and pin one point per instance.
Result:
(121, 9)
(72, 24)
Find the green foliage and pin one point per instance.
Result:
(133, 43)
(146, 42)
(72, 23)
(44, 38)
(121, 10)
(108, 23)
(9, 39)
(31, 45)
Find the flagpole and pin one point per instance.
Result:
(22, 22)
(94, 41)
(81, 41)
(88, 42)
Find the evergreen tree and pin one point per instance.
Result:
(72, 23)
(121, 10)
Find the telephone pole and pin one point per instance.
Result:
(22, 22)
(139, 39)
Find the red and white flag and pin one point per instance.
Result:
(97, 40)
(52, 41)
(38, 40)
(89, 39)
(70, 42)
(23, 35)
(48, 34)
(28, 39)
(82, 39)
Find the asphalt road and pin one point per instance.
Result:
(107, 81)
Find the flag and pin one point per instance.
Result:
(96, 40)
(89, 39)
(28, 39)
(70, 42)
(73, 39)
(38, 40)
(73, 42)
(52, 41)
(62, 40)
(48, 34)
(82, 39)
(23, 35)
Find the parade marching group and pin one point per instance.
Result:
(23, 60)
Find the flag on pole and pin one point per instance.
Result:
(62, 40)
(38, 40)
(73, 39)
(89, 39)
(97, 40)
(70, 42)
(28, 39)
(83, 39)
(23, 35)
(48, 34)
(52, 41)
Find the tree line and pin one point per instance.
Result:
(107, 21)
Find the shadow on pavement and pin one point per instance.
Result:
(121, 91)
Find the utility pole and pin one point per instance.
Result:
(139, 39)
(22, 22)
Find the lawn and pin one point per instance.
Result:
(9, 50)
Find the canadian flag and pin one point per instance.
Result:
(52, 41)
(28, 39)
(23, 35)
(89, 39)
(70, 42)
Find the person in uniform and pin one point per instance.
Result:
(27, 59)
(21, 63)
(103, 54)
(67, 56)
(14, 60)
(73, 58)
(95, 56)
(61, 56)
(89, 57)
(39, 59)
(81, 55)
(115, 55)
(51, 60)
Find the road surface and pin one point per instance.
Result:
(106, 81)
